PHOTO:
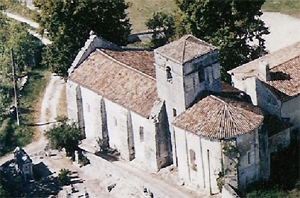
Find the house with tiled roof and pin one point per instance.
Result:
(169, 106)
(273, 82)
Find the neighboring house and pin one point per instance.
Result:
(273, 83)
(23, 163)
(169, 106)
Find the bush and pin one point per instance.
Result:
(64, 135)
(63, 176)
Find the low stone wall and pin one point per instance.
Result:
(229, 192)
(137, 178)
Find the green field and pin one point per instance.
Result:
(141, 10)
(289, 7)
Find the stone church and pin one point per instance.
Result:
(169, 106)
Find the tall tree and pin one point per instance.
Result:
(233, 26)
(163, 27)
(68, 23)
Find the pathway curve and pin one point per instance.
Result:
(31, 23)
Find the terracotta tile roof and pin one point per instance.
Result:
(273, 59)
(140, 60)
(219, 117)
(117, 82)
(185, 49)
(227, 88)
(285, 71)
(286, 77)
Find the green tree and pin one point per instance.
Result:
(233, 26)
(163, 27)
(27, 49)
(63, 176)
(64, 135)
(2, 192)
(68, 23)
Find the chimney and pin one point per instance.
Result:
(264, 70)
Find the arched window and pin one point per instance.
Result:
(193, 160)
(201, 76)
(169, 74)
(141, 134)
(249, 157)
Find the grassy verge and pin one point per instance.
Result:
(13, 6)
(12, 135)
(289, 7)
(32, 93)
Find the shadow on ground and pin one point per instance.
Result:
(45, 183)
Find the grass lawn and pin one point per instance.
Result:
(141, 10)
(289, 7)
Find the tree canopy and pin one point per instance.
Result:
(233, 26)
(68, 23)
(26, 53)
(163, 27)
(64, 135)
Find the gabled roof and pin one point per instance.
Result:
(117, 82)
(286, 77)
(185, 49)
(284, 71)
(140, 60)
(219, 117)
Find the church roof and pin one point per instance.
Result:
(140, 60)
(286, 77)
(117, 82)
(284, 71)
(185, 49)
(219, 117)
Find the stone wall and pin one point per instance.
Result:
(266, 100)
(199, 160)
(279, 141)
(92, 115)
(229, 192)
(71, 100)
(249, 163)
(291, 109)
(135, 137)
(247, 85)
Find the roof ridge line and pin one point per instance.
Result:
(125, 65)
(183, 51)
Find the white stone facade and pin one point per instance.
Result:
(151, 138)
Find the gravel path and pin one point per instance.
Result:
(284, 30)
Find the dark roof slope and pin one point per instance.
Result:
(185, 49)
(117, 82)
(218, 118)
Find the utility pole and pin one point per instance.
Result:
(16, 90)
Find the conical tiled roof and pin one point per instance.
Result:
(185, 49)
(218, 118)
